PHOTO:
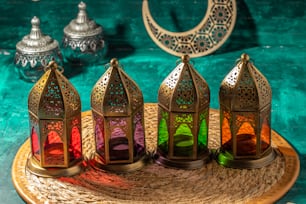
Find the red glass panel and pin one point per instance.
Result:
(75, 149)
(53, 149)
(35, 144)
(246, 140)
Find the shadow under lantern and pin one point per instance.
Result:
(183, 113)
(245, 113)
(118, 116)
(55, 126)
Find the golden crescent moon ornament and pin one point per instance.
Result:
(205, 38)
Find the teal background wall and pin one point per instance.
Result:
(271, 32)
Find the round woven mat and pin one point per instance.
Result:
(157, 184)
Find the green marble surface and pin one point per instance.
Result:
(271, 32)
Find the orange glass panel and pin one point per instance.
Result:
(53, 149)
(246, 140)
(265, 135)
(226, 137)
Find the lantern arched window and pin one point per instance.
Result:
(245, 114)
(55, 126)
(118, 115)
(183, 113)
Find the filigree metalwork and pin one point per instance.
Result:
(83, 38)
(54, 107)
(245, 105)
(188, 88)
(183, 100)
(54, 96)
(116, 92)
(251, 89)
(117, 106)
(35, 51)
(203, 39)
(85, 45)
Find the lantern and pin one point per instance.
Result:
(118, 116)
(55, 126)
(245, 115)
(183, 112)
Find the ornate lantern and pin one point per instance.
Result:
(245, 112)
(55, 126)
(183, 112)
(118, 115)
(83, 41)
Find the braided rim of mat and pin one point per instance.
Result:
(154, 183)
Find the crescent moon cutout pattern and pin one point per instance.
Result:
(205, 38)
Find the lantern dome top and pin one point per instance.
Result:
(115, 93)
(245, 88)
(82, 25)
(184, 89)
(53, 96)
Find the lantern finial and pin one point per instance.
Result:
(185, 58)
(245, 57)
(52, 65)
(114, 62)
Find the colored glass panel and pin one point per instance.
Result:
(226, 136)
(265, 135)
(246, 140)
(139, 140)
(75, 148)
(118, 143)
(99, 135)
(203, 132)
(183, 141)
(53, 149)
(53, 104)
(163, 134)
(35, 144)
(185, 91)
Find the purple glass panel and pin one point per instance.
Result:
(139, 140)
(99, 132)
(118, 143)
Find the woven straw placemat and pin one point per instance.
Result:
(156, 184)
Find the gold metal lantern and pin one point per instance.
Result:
(245, 118)
(118, 116)
(183, 113)
(55, 126)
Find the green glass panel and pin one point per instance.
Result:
(183, 141)
(202, 138)
(163, 134)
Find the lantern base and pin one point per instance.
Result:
(33, 166)
(226, 159)
(98, 164)
(182, 163)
